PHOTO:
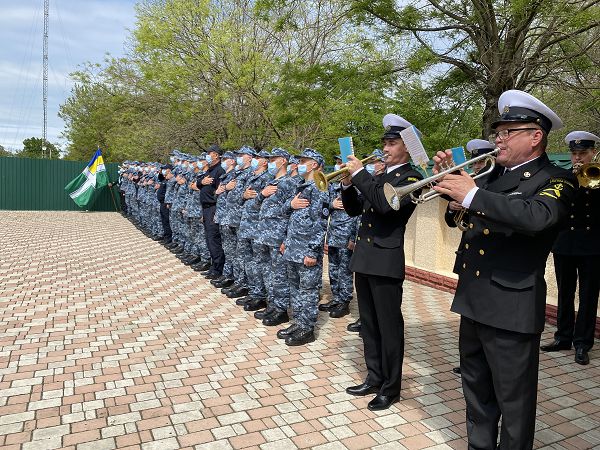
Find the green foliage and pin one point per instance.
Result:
(5, 153)
(301, 74)
(32, 148)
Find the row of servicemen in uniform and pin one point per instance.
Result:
(273, 223)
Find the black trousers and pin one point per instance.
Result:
(499, 372)
(579, 331)
(164, 218)
(382, 330)
(123, 204)
(213, 239)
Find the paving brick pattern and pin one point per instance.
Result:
(107, 341)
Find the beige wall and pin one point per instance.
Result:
(430, 244)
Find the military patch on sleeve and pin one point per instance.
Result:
(554, 190)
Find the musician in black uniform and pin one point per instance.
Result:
(577, 255)
(378, 264)
(515, 214)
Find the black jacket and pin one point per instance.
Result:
(581, 235)
(513, 222)
(162, 190)
(207, 192)
(380, 243)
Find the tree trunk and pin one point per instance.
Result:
(490, 113)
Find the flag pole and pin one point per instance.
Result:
(112, 195)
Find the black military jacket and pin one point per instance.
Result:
(380, 243)
(513, 222)
(581, 235)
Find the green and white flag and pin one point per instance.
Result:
(85, 185)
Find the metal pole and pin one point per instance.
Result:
(45, 83)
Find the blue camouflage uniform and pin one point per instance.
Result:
(235, 201)
(228, 238)
(272, 228)
(247, 232)
(305, 238)
(341, 230)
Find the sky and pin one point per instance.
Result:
(79, 31)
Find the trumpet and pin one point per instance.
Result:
(322, 181)
(588, 174)
(395, 195)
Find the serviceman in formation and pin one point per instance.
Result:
(341, 236)
(235, 200)
(577, 256)
(303, 250)
(228, 164)
(272, 229)
(272, 220)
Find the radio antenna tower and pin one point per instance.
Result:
(45, 82)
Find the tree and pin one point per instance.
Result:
(32, 148)
(5, 153)
(492, 45)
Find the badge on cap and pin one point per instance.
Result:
(527, 174)
(506, 109)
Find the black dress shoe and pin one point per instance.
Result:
(555, 346)
(239, 292)
(260, 315)
(456, 370)
(284, 333)
(362, 389)
(326, 306)
(354, 326)
(225, 282)
(277, 318)
(217, 280)
(382, 402)
(581, 356)
(193, 260)
(203, 265)
(226, 290)
(255, 304)
(301, 336)
(339, 310)
(212, 275)
(242, 300)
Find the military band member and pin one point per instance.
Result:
(515, 213)
(576, 256)
(475, 147)
(378, 264)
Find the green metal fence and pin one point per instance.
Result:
(38, 185)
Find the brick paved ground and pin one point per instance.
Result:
(127, 348)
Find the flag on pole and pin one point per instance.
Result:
(85, 185)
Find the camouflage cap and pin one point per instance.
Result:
(312, 154)
(294, 159)
(280, 152)
(378, 153)
(228, 155)
(245, 150)
(263, 154)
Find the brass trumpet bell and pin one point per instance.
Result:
(322, 180)
(588, 175)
